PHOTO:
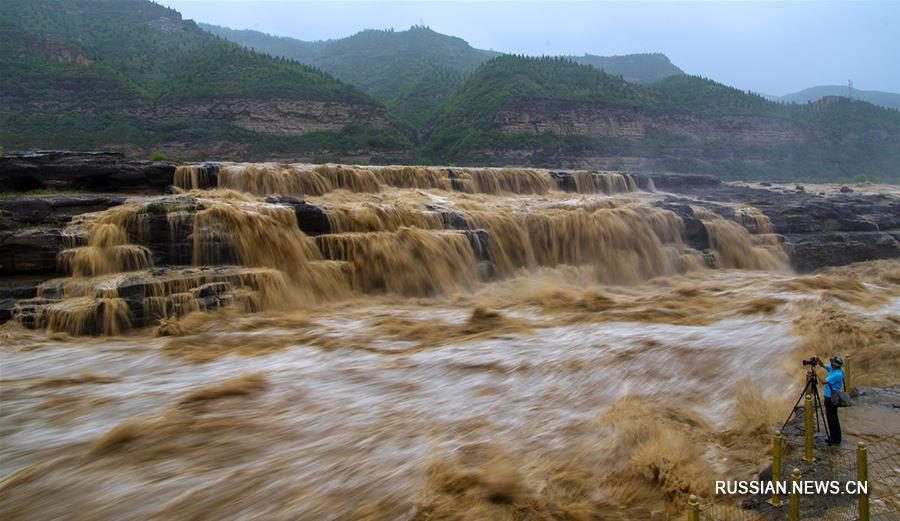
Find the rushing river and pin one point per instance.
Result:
(596, 369)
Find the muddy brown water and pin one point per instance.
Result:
(602, 372)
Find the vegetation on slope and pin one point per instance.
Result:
(464, 132)
(409, 71)
(81, 73)
(128, 74)
(889, 100)
(282, 46)
(413, 71)
(840, 140)
(700, 95)
(634, 68)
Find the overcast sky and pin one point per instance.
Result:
(768, 47)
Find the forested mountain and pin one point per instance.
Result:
(889, 100)
(298, 50)
(553, 111)
(132, 75)
(409, 71)
(634, 68)
(413, 71)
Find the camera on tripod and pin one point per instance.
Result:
(812, 389)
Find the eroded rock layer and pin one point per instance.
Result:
(328, 232)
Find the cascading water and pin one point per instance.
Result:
(393, 237)
(315, 180)
(411, 343)
(734, 247)
(107, 249)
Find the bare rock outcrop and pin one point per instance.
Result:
(819, 229)
(89, 171)
(598, 120)
(275, 116)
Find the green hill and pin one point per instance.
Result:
(554, 112)
(133, 75)
(700, 95)
(283, 46)
(508, 78)
(634, 68)
(466, 130)
(413, 71)
(409, 71)
(889, 100)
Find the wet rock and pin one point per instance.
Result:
(210, 177)
(180, 290)
(846, 190)
(451, 219)
(678, 182)
(89, 171)
(19, 212)
(311, 219)
(28, 312)
(29, 250)
(211, 289)
(812, 251)
(7, 307)
(819, 230)
(565, 181)
(695, 233)
(24, 212)
(480, 245)
(12, 291)
(456, 182)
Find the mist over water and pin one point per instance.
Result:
(577, 359)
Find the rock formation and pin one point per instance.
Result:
(144, 257)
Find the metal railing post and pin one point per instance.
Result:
(808, 428)
(794, 500)
(693, 508)
(777, 445)
(862, 476)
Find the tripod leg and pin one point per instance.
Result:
(796, 405)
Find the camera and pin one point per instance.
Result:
(811, 361)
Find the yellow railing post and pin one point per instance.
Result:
(846, 371)
(794, 501)
(862, 476)
(776, 467)
(808, 428)
(693, 508)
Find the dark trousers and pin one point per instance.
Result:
(834, 424)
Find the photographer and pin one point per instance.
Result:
(833, 381)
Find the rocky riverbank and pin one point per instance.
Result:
(819, 228)
(42, 230)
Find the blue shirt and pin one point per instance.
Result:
(834, 379)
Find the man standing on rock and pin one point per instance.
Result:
(833, 382)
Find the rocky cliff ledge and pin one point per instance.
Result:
(276, 116)
(89, 171)
(821, 228)
(598, 120)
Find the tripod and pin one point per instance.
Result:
(812, 387)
